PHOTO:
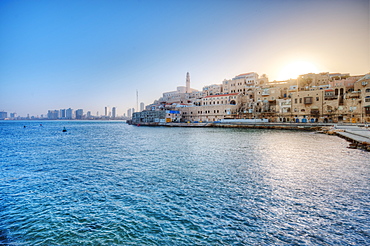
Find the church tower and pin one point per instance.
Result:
(187, 82)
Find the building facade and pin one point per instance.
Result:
(311, 97)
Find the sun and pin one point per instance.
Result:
(293, 70)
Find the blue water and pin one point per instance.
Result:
(108, 183)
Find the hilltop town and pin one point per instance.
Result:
(315, 98)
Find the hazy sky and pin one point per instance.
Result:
(91, 54)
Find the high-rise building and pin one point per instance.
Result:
(142, 106)
(106, 111)
(79, 114)
(62, 114)
(3, 115)
(53, 114)
(69, 114)
(114, 112)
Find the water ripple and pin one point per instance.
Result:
(107, 183)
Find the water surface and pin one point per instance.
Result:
(108, 183)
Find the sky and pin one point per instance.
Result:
(91, 54)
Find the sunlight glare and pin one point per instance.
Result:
(293, 70)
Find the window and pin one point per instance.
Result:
(308, 100)
(295, 100)
(317, 99)
(300, 100)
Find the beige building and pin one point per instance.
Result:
(320, 97)
(240, 83)
(214, 108)
(363, 86)
(214, 89)
(312, 80)
(283, 110)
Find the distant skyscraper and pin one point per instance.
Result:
(114, 112)
(79, 114)
(187, 83)
(53, 114)
(62, 114)
(106, 111)
(129, 113)
(3, 115)
(69, 114)
(142, 106)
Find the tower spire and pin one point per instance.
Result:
(187, 82)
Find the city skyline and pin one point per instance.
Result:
(88, 54)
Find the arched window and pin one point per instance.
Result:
(232, 102)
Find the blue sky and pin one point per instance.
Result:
(92, 54)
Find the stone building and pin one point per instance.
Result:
(240, 83)
(311, 97)
(209, 90)
(363, 86)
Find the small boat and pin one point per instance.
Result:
(64, 129)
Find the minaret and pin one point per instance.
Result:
(187, 82)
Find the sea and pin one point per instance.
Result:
(109, 183)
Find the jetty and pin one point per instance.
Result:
(359, 136)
